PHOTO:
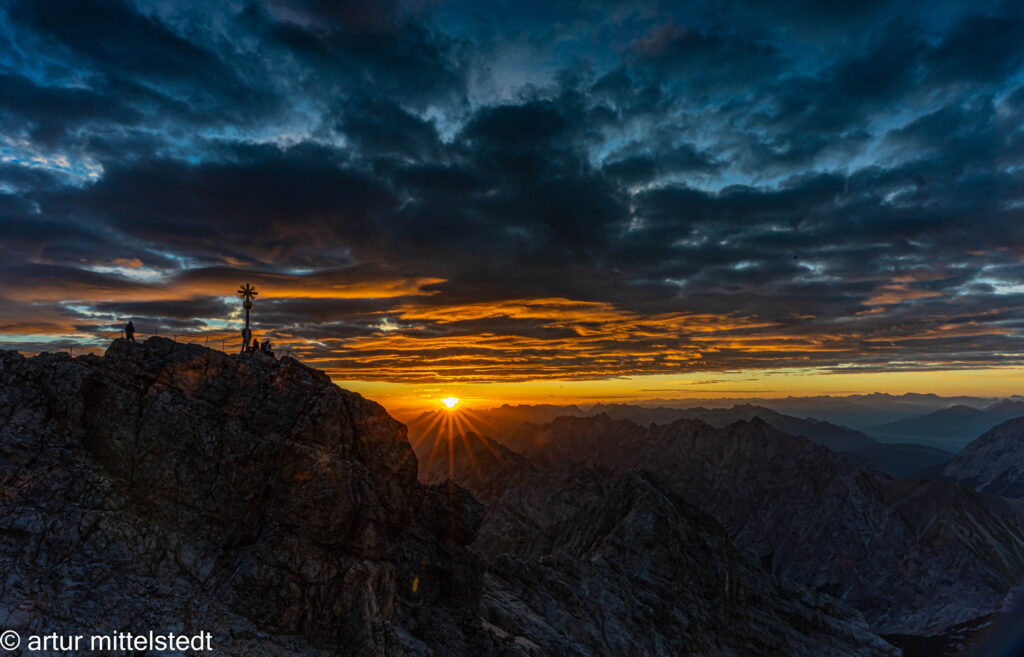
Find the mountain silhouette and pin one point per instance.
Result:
(950, 428)
(507, 422)
(166, 486)
(883, 545)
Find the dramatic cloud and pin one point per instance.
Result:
(426, 192)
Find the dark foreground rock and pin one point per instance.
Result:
(169, 487)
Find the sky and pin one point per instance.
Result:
(526, 200)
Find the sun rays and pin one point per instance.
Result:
(454, 427)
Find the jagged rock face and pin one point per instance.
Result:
(914, 556)
(994, 463)
(172, 487)
(169, 487)
(584, 562)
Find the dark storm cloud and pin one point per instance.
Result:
(719, 63)
(129, 56)
(581, 191)
(380, 128)
(640, 163)
(265, 204)
(345, 46)
(979, 49)
(49, 112)
(56, 281)
(132, 43)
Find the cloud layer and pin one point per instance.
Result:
(427, 192)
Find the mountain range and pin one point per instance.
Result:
(170, 487)
(586, 543)
(949, 428)
(901, 460)
(858, 411)
(994, 463)
(882, 545)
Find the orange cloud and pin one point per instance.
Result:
(47, 283)
(898, 293)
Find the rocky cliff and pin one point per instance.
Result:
(169, 487)
(994, 463)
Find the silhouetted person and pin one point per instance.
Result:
(267, 349)
(246, 336)
(129, 331)
(255, 345)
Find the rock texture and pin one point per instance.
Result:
(168, 487)
(171, 487)
(994, 463)
(914, 556)
(590, 563)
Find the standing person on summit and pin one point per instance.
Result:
(129, 331)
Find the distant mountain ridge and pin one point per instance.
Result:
(508, 421)
(952, 427)
(835, 437)
(857, 411)
(994, 462)
(883, 545)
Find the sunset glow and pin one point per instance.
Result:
(640, 227)
(547, 328)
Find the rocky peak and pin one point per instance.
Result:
(165, 481)
(994, 462)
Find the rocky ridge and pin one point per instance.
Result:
(915, 557)
(994, 462)
(835, 437)
(170, 487)
(507, 424)
(653, 575)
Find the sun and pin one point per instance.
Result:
(450, 402)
